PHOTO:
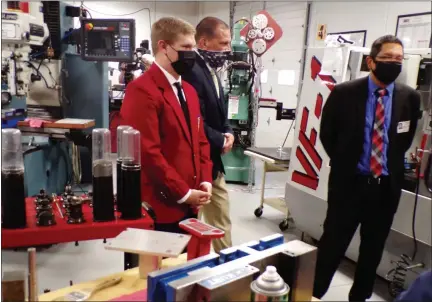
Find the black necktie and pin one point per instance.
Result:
(183, 103)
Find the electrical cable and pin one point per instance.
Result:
(40, 74)
(405, 263)
(37, 54)
(50, 73)
(414, 254)
(76, 164)
(40, 64)
(15, 68)
(250, 89)
(120, 15)
(87, 11)
(69, 33)
(81, 188)
(116, 15)
(112, 115)
(289, 130)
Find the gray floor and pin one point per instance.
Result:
(62, 263)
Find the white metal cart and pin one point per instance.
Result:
(275, 160)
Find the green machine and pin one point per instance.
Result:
(239, 101)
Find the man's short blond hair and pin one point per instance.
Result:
(168, 29)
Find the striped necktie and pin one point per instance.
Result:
(215, 81)
(376, 161)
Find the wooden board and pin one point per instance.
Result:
(67, 123)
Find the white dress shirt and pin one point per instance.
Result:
(171, 79)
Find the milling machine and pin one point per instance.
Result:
(306, 189)
(239, 98)
(251, 39)
(50, 70)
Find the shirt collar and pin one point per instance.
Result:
(373, 87)
(169, 76)
(208, 66)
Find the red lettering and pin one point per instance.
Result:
(316, 158)
(318, 105)
(310, 179)
(328, 80)
(313, 136)
(315, 67)
(304, 120)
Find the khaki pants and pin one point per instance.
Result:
(217, 213)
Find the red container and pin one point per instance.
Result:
(24, 7)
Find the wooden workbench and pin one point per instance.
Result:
(129, 284)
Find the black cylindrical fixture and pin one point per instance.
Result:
(131, 175)
(103, 193)
(12, 178)
(132, 208)
(120, 130)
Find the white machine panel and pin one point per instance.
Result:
(309, 166)
(9, 31)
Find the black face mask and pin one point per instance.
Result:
(387, 72)
(216, 59)
(185, 62)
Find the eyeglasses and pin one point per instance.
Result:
(390, 58)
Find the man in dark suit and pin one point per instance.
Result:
(213, 39)
(176, 167)
(367, 126)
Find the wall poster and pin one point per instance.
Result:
(415, 30)
(354, 38)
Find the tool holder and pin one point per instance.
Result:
(202, 236)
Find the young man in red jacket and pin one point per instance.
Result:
(176, 170)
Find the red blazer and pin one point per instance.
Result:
(172, 161)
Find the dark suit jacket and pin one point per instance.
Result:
(213, 110)
(173, 158)
(342, 133)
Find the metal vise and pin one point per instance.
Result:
(227, 277)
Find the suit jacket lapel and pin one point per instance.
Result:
(194, 120)
(169, 95)
(207, 73)
(397, 105)
(175, 104)
(221, 100)
(362, 97)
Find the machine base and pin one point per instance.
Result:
(237, 166)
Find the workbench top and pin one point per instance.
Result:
(272, 153)
(129, 284)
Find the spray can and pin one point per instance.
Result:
(269, 287)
